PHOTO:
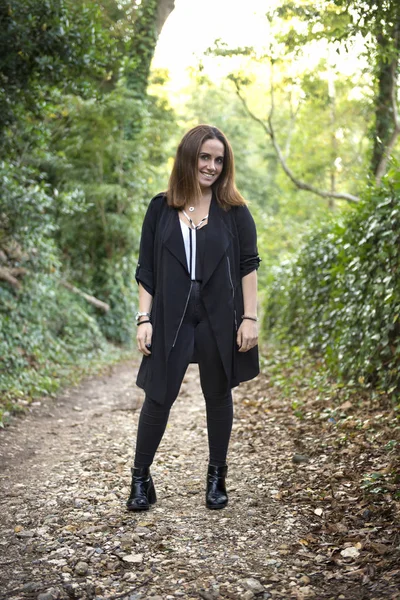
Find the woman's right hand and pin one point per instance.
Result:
(143, 338)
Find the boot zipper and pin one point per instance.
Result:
(184, 312)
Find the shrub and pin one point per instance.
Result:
(44, 334)
(340, 296)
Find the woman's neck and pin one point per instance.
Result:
(206, 194)
(204, 199)
(201, 206)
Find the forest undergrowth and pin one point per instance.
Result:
(351, 437)
(34, 381)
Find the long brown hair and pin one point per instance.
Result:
(183, 183)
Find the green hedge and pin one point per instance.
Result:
(43, 331)
(340, 297)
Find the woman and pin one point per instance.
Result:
(197, 303)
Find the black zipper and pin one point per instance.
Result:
(184, 313)
(233, 290)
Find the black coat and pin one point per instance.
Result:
(230, 253)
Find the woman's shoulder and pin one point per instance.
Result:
(240, 210)
(157, 203)
(243, 219)
(159, 199)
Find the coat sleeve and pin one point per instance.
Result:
(249, 259)
(145, 267)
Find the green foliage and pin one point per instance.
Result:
(344, 24)
(45, 332)
(98, 158)
(83, 146)
(44, 321)
(141, 48)
(44, 43)
(340, 297)
(114, 282)
(218, 105)
(320, 117)
(46, 336)
(282, 213)
(25, 209)
(341, 21)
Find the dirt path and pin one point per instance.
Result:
(65, 533)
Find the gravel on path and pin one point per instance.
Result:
(64, 481)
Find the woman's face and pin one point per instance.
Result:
(210, 163)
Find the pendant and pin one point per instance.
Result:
(191, 208)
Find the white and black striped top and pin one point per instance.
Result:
(193, 239)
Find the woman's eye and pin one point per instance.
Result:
(205, 157)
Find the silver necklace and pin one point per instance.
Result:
(191, 208)
(192, 225)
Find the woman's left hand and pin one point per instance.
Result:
(247, 335)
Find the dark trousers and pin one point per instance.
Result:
(195, 343)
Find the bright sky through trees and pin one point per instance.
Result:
(194, 26)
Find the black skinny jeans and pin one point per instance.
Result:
(195, 343)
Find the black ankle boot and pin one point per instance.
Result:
(142, 490)
(216, 496)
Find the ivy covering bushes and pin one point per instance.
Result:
(340, 297)
(48, 335)
(44, 336)
(83, 149)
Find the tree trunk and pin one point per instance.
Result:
(383, 113)
(149, 22)
(164, 9)
(386, 118)
(334, 142)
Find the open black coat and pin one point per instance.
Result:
(230, 253)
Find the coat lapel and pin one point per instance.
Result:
(218, 238)
(173, 239)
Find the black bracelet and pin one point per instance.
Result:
(141, 322)
(250, 318)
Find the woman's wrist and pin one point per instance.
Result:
(143, 319)
(250, 317)
(143, 322)
(143, 316)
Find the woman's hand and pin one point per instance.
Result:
(143, 338)
(247, 335)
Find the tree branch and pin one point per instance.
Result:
(269, 130)
(91, 299)
(10, 275)
(7, 275)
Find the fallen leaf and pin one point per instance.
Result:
(380, 548)
(350, 552)
(134, 559)
(346, 405)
